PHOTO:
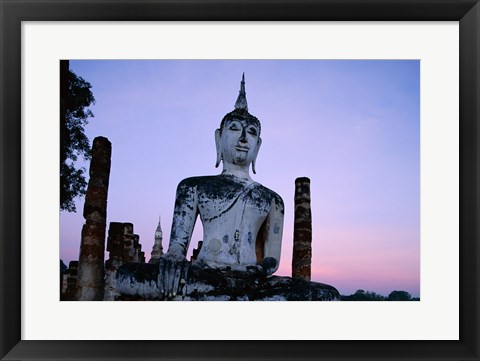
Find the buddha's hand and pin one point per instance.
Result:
(172, 275)
(263, 268)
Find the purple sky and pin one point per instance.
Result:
(351, 126)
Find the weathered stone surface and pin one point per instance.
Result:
(115, 240)
(302, 231)
(137, 248)
(233, 211)
(63, 285)
(137, 281)
(69, 288)
(91, 262)
(115, 248)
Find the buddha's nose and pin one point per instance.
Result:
(243, 137)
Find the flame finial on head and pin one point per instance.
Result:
(241, 102)
(159, 227)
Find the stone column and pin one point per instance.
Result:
(123, 247)
(72, 275)
(91, 270)
(128, 246)
(115, 246)
(138, 248)
(302, 231)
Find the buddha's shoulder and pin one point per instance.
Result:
(217, 183)
(268, 193)
(199, 181)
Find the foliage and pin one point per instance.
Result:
(361, 295)
(76, 97)
(399, 296)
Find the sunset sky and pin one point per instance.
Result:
(352, 127)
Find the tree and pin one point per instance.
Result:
(375, 296)
(75, 98)
(399, 296)
(361, 295)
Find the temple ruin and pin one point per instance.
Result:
(242, 234)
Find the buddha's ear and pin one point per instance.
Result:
(219, 150)
(259, 143)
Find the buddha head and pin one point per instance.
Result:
(238, 138)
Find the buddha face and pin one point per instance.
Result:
(239, 142)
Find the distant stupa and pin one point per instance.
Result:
(157, 249)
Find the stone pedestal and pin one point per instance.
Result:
(137, 281)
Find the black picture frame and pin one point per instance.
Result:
(13, 12)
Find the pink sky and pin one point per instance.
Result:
(352, 127)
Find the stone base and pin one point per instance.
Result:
(137, 281)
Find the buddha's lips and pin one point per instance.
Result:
(242, 149)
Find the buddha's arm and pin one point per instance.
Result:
(184, 217)
(272, 234)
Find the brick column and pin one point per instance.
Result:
(115, 244)
(91, 270)
(123, 247)
(302, 231)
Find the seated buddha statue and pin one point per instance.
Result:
(242, 219)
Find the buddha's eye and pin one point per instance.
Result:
(234, 126)
(252, 131)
